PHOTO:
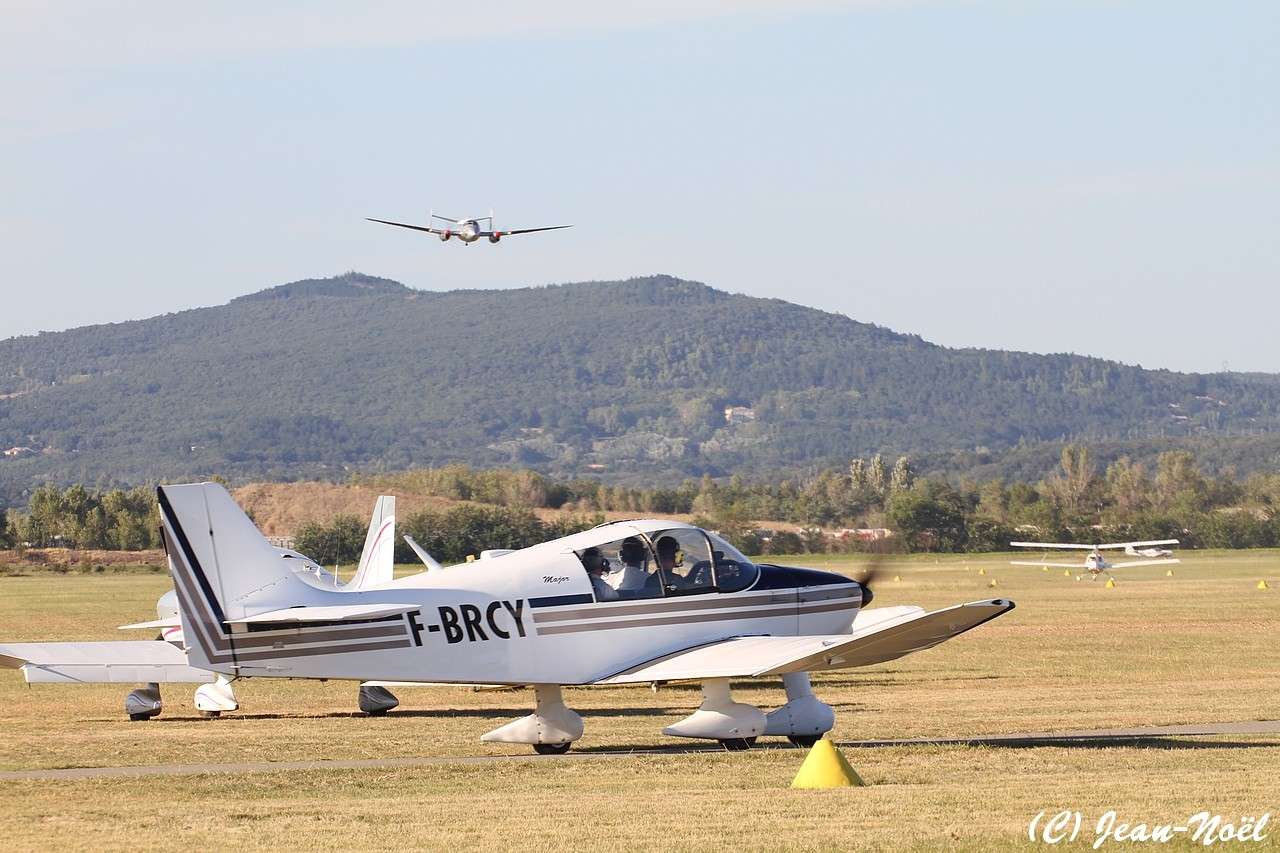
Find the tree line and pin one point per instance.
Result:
(1081, 501)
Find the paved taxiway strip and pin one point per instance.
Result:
(1253, 727)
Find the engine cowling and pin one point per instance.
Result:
(445, 235)
(495, 236)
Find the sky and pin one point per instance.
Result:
(1091, 177)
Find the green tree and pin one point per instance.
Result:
(929, 517)
(1179, 485)
(903, 477)
(338, 541)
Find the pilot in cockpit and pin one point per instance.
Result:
(668, 559)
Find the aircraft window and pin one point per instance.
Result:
(621, 570)
(734, 571)
(684, 562)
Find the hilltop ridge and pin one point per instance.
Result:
(649, 379)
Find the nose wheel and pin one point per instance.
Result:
(737, 744)
(552, 748)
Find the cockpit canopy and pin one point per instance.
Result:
(648, 560)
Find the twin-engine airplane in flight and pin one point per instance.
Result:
(626, 602)
(1095, 563)
(467, 230)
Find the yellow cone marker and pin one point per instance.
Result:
(897, 578)
(1077, 577)
(992, 583)
(1044, 568)
(1263, 585)
(1066, 573)
(1111, 583)
(825, 767)
(1168, 573)
(982, 571)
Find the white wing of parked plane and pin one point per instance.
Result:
(1148, 544)
(875, 639)
(1078, 546)
(118, 661)
(1165, 561)
(170, 622)
(377, 559)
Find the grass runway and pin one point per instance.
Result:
(1199, 647)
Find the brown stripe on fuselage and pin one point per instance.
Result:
(276, 654)
(691, 619)
(711, 601)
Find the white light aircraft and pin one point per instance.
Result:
(164, 660)
(680, 604)
(1095, 563)
(467, 230)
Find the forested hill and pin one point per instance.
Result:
(629, 379)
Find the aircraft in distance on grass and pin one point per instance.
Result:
(1095, 563)
(164, 660)
(467, 230)
(626, 602)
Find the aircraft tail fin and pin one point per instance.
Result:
(223, 570)
(377, 560)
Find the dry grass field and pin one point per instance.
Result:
(1197, 647)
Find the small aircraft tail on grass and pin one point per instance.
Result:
(242, 607)
(377, 559)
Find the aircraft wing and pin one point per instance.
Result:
(1147, 544)
(426, 228)
(1050, 565)
(115, 662)
(168, 622)
(1061, 545)
(522, 230)
(875, 639)
(1162, 561)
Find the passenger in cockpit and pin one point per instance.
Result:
(596, 566)
(631, 576)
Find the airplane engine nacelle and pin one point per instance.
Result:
(495, 237)
(445, 235)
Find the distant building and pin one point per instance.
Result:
(739, 415)
(13, 452)
(864, 534)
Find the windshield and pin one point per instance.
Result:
(734, 571)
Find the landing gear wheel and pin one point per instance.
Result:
(737, 744)
(379, 713)
(137, 718)
(210, 715)
(804, 740)
(552, 748)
